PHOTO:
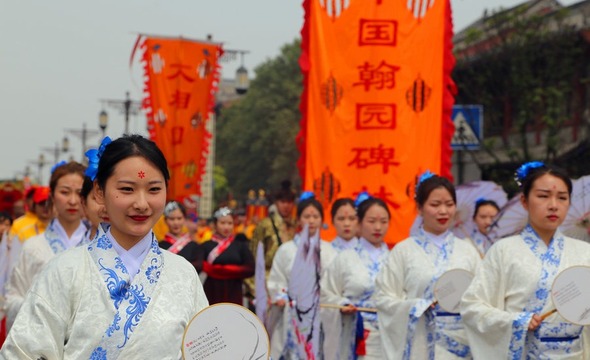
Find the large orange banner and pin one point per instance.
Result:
(181, 78)
(376, 100)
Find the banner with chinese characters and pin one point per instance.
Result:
(377, 100)
(181, 78)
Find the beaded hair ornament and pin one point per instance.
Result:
(224, 211)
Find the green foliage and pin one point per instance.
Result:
(256, 136)
(220, 185)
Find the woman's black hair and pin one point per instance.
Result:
(125, 147)
(86, 188)
(66, 169)
(340, 203)
(304, 204)
(481, 203)
(434, 182)
(5, 216)
(363, 207)
(534, 174)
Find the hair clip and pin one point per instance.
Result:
(423, 177)
(361, 197)
(479, 201)
(94, 156)
(525, 169)
(170, 207)
(61, 163)
(224, 211)
(306, 195)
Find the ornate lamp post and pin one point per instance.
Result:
(103, 121)
(127, 107)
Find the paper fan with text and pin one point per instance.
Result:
(577, 221)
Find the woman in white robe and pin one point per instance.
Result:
(412, 325)
(483, 217)
(350, 283)
(65, 231)
(310, 212)
(345, 223)
(502, 308)
(95, 213)
(120, 296)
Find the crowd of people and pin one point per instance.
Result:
(101, 266)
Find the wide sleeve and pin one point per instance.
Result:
(488, 326)
(21, 280)
(41, 328)
(393, 305)
(332, 283)
(278, 279)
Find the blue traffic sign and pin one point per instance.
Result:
(468, 121)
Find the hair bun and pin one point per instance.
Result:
(286, 184)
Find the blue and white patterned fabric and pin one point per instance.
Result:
(58, 239)
(482, 242)
(130, 298)
(436, 319)
(339, 244)
(373, 267)
(549, 336)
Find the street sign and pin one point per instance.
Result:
(468, 120)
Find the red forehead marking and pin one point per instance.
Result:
(140, 174)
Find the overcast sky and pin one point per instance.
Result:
(60, 57)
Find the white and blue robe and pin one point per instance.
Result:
(350, 280)
(282, 340)
(35, 254)
(410, 328)
(339, 244)
(84, 305)
(513, 284)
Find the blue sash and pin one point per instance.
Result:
(130, 299)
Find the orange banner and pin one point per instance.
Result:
(377, 89)
(181, 78)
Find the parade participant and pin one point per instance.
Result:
(310, 212)
(412, 324)
(204, 231)
(43, 212)
(94, 212)
(5, 224)
(29, 216)
(350, 282)
(278, 228)
(120, 296)
(176, 240)
(66, 230)
(502, 308)
(483, 217)
(227, 261)
(345, 221)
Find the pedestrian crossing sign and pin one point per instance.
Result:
(468, 121)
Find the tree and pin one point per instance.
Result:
(256, 136)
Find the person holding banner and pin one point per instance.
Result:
(411, 322)
(345, 222)
(483, 217)
(503, 307)
(120, 296)
(65, 231)
(226, 259)
(176, 240)
(350, 282)
(310, 212)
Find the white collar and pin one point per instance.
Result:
(438, 240)
(73, 240)
(133, 257)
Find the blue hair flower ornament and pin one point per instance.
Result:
(94, 156)
(479, 201)
(61, 163)
(362, 196)
(306, 195)
(425, 176)
(525, 169)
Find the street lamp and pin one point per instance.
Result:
(57, 150)
(242, 81)
(40, 164)
(127, 107)
(103, 121)
(83, 134)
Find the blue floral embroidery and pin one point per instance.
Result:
(56, 244)
(103, 242)
(138, 302)
(114, 326)
(99, 354)
(153, 273)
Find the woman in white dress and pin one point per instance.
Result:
(311, 213)
(345, 222)
(412, 324)
(502, 308)
(120, 296)
(483, 217)
(65, 231)
(94, 212)
(350, 283)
